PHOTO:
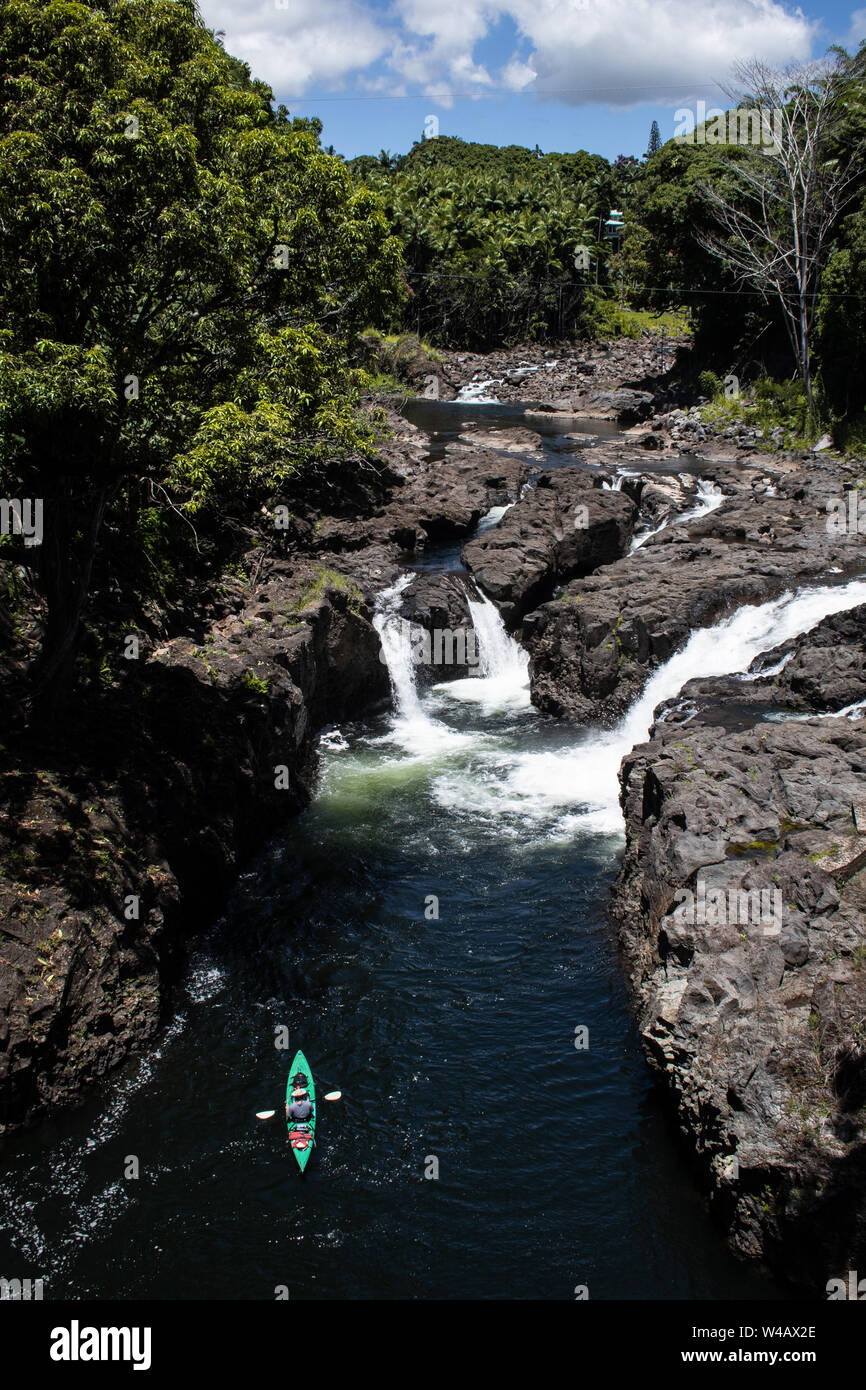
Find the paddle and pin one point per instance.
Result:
(269, 1114)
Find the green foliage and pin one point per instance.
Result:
(605, 318)
(767, 405)
(489, 238)
(398, 357)
(710, 385)
(322, 581)
(292, 406)
(183, 273)
(254, 683)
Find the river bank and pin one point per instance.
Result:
(602, 555)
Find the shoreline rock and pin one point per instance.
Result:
(562, 528)
(753, 1021)
(122, 839)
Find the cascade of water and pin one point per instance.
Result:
(710, 496)
(475, 393)
(586, 775)
(733, 644)
(413, 728)
(492, 518)
(573, 788)
(503, 682)
(393, 632)
(501, 656)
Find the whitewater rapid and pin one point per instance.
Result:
(487, 754)
(710, 496)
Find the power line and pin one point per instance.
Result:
(579, 284)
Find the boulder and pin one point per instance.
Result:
(562, 528)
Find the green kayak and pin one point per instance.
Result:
(301, 1135)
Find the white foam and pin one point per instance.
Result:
(492, 518)
(710, 497)
(585, 777)
(855, 711)
(412, 727)
(503, 683)
(333, 740)
(476, 393)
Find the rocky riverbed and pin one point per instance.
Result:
(119, 842)
(742, 913)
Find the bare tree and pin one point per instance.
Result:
(779, 199)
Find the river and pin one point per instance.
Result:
(433, 933)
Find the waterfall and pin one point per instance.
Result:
(501, 656)
(555, 781)
(492, 518)
(710, 496)
(732, 645)
(504, 679)
(475, 393)
(647, 535)
(619, 479)
(397, 649)
(413, 728)
(583, 779)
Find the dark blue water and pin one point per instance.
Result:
(452, 1039)
(445, 421)
(431, 932)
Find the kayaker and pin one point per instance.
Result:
(301, 1107)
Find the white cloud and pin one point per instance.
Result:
(857, 31)
(311, 45)
(623, 51)
(616, 52)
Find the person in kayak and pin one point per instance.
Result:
(301, 1107)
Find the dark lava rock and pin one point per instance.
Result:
(564, 527)
(123, 838)
(593, 646)
(753, 1019)
(438, 603)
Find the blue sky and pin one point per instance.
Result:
(563, 74)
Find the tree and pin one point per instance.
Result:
(178, 265)
(779, 201)
(655, 140)
(489, 237)
(841, 323)
(625, 175)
